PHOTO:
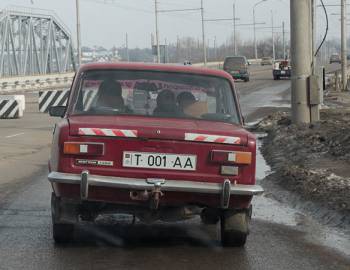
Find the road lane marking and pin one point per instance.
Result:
(14, 135)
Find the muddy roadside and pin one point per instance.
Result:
(311, 162)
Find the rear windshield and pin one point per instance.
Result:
(156, 94)
(237, 61)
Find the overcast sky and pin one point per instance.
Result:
(105, 22)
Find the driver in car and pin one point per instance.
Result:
(110, 95)
(166, 104)
(184, 100)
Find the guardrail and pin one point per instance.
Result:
(333, 80)
(219, 64)
(35, 82)
(60, 80)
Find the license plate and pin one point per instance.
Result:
(160, 161)
(283, 72)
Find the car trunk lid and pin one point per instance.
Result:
(125, 135)
(158, 128)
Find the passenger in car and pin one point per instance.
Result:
(185, 99)
(110, 95)
(166, 104)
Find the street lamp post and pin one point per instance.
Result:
(273, 38)
(78, 32)
(255, 46)
(157, 30)
(343, 46)
(203, 36)
(234, 30)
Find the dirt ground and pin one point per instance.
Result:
(313, 161)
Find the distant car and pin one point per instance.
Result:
(187, 63)
(268, 61)
(281, 69)
(237, 66)
(335, 58)
(157, 142)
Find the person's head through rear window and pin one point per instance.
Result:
(166, 104)
(110, 95)
(184, 100)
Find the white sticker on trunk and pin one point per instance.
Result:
(212, 138)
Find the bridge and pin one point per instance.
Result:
(34, 42)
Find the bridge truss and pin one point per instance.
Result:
(34, 42)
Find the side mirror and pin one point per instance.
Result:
(57, 111)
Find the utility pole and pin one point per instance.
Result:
(203, 36)
(165, 51)
(215, 50)
(208, 49)
(177, 49)
(343, 46)
(314, 108)
(180, 10)
(301, 59)
(78, 32)
(273, 38)
(157, 30)
(127, 47)
(254, 23)
(284, 41)
(255, 47)
(234, 30)
(313, 48)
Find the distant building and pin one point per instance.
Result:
(99, 54)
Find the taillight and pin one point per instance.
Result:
(227, 157)
(83, 148)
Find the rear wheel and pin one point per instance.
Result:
(210, 216)
(61, 232)
(234, 228)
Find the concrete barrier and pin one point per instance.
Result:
(48, 99)
(20, 99)
(37, 82)
(12, 107)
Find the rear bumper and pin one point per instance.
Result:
(240, 75)
(85, 180)
(286, 73)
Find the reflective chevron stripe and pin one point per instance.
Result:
(48, 99)
(212, 138)
(108, 132)
(9, 108)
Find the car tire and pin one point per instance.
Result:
(210, 216)
(234, 228)
(61, 232)
(246, 80)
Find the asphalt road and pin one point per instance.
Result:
(281, 237)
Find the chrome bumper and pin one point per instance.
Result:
(85, 180)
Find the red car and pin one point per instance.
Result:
(158, 142)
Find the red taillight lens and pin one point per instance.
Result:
(82, 148)
(227, 157)
(219, 156)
